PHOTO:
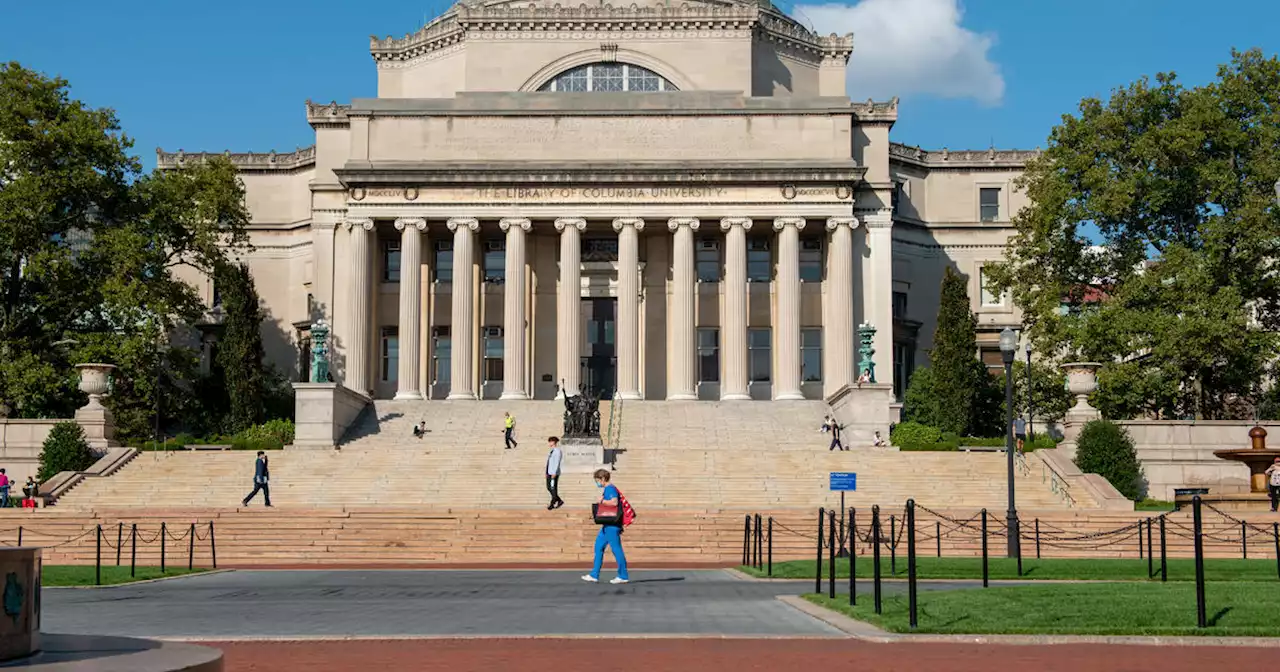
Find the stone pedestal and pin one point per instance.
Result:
(1082, 380)
(581, 455)
(95, 418)
(862, 410)
(20, 621)
(323, 412)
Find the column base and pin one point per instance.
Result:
(628, 396)
(409, 395)
(735, 396)
(513, 396)
(789, 396)
(682, 396)
(461, 396)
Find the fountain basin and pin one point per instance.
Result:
(1256, 459)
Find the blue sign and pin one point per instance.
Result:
(843, 481)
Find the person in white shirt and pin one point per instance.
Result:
(553, 472)
(1273, 483)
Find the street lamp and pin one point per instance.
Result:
(1031, 430)
(1008, 350)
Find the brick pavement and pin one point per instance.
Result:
(701, 655)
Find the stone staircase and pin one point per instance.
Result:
(675, 456)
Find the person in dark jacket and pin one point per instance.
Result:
(261, 475)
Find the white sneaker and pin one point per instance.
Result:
(616, 580)
(590, 579)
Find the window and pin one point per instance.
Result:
(608, 77)
(904, 362)
(899, 193)
(899, 305)
(600, 249)
(441, 355)
(495, 261)
(707, 260)
(811, 355)
(443, 267)
(311, 306)
(390, 354)
(989, 296)
(811, 260)
(709, 355)
(391, 261)
(760, 354)
(759, 261)
(989, 203)
(492, 353)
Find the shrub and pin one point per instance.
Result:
(278, 431)
(941, 446)
(914, 433)
(65, 449)
(1104, 448)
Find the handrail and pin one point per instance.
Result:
(1057, 483)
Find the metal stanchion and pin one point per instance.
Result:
(817, 586)
(1151, 551)
(875, 544)
(1140, 555)
(853, 556)
(133, 550)
(1275, 533)
(213, 547)
(191, 547)
(770, 546)
(984, 548)
(1164, 566)
(746, 540)
(759, 542)
(97, 564)
(937, 534)
(893, 546)
(1244, 540)
(911, 562)
(831, 556)
(1201, 619)
(163, 531)
(119, 540)
(1037, 538)
(19, 536)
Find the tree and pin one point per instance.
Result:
(1176, 185)
(1050, 399)
(65, 449)
(88, 252)
(1104, 448)
(240, 349)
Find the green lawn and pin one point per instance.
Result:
(83, 575)
(1180, 569)
(1233, 609)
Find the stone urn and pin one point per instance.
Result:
(95, 381)
(1082, 380)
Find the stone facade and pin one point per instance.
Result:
(658, 202)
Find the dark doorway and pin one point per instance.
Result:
(600, 356)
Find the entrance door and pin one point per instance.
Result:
(600, 355)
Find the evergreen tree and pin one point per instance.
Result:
(240, 351)
(1104, 448)
(953, 358)
(65, 449)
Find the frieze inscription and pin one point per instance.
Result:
(606, 194)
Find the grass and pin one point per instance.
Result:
(1153, 505)
(1180, 569)
(83, 575)
(1233, 609)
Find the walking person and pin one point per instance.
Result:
(835, 435)
(5, 484)
(613, 506)
(1020, 432)
(509, 430)
(1273, 483)
(261, 475)
(554, 456)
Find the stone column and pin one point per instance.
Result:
(462, 363)
(569, 307)
(628, 337)
(682, 379)
(837, 334)
(358, 336)
(733, 326)
(879, 311)
(514, 311)
(410, 229)
(787, 382)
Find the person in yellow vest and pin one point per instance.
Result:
(509, 430)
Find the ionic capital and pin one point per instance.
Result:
(416, 222)
(628, 221)
(455, 223)
(834, 223)
(730, 222)
(676, 222)
(781, 223)
(507, 222)
(576, 222)
(366, 224)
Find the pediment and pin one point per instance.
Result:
(615, 4)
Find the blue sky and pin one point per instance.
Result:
(234, 74)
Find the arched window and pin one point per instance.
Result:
(608, 77)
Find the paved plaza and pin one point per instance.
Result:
(396, 603)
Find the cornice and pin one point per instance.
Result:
(366, 173)
(304, 157)
(327, 115)
(988, 158)
(871, 111)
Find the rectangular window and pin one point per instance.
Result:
(904, 355)
(759, 342)
(989, 203)
(899, 193)
(708, 260)
(441, 356)
(811, 355)
(390, 354)
(811, 260)
(495, 261)
(899, 305)
(759, 261)
(443, 266)
(709, 355)
(391, 261)
(989, 296)
(492, 353)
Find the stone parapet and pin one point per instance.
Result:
(323, 412)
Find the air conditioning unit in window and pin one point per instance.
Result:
(493, 332)
(708, 245)
(758, 245)
(811, 245)
(494, 245)
(444, 245)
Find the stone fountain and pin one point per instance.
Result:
(1257, 457)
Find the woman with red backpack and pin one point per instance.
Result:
(612, 513)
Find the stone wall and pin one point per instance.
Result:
(20, 445)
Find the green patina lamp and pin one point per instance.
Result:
(866, 367)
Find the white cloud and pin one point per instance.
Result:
(905, 47)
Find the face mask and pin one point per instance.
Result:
(600, 485)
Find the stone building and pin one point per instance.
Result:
(662, 202)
